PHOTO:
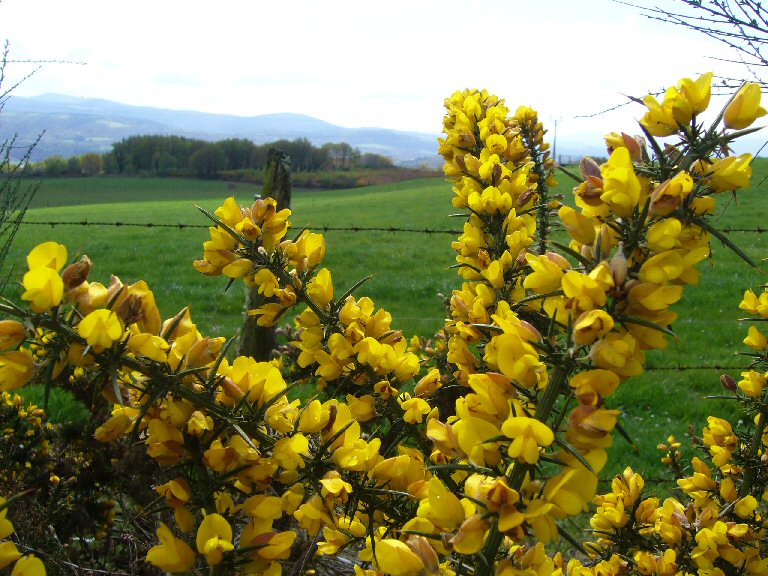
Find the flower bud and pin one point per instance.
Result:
(589, 168)
(231, 389)
(204, 352)
(618, 266)
(559, 260)
(728, 382)
(76, 273)
(130, 310)
(526, 197)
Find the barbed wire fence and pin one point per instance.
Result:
(364, 229)
(393, 229)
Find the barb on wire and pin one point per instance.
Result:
(686, 368)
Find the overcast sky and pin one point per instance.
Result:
(355, 63)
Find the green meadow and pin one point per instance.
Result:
(409, 271)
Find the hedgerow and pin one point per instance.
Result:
(464, 454)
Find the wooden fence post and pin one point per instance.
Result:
(259, 341)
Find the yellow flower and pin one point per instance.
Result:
(268, 314)
(745, 107)
(441, 507)
(8, 553)
(312, 515)
(267, 282)
(515, 358)
(658, 120)
(746, 507)
(12, 333)
(592, 325)
(120, 423)
(664, 234)
(618, 353)
(177, 492)
(472, 434)
(278, 547)
(172, 554)
(43, 288)
(730, 173)
(153, 347)
(320, 289)
(237, 268)
(16, 370)
(592, 385)
(578, 226)
(28, 565)
(471, 535)
(335, 487)
(166, 443)
(621, 187)
(204, 352)
(654, 297)
(357, 455)
(583, 292)
(288, 452)
(315, 417)
(214, 538)
(752, 383)
(47, 255)
(415, 409)
(101, 328)
(396, 558)
(669, 195)
(229, 212)
(362, 408)
(756, 339)
(310, 250)
(753, 304)
(697, 92)
(674, 266)
(6, 527)
(547, 272)
(528, 435)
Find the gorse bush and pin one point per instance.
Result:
(459, 455)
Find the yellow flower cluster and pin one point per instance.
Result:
(718, 524)
(429, 467)
(23, 564)
(24, 440)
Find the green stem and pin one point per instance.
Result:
(754, 448)
(542, 213)
(484, 565)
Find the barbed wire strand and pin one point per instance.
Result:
(182, 226)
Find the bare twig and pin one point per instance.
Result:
(741, 25)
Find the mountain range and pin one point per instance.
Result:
(72, 126)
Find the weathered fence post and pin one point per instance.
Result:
(259, 341)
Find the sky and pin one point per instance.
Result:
(356, 63)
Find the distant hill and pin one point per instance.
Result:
(74, 126)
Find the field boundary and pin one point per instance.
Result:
(394, 229)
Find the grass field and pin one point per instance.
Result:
(410, 270)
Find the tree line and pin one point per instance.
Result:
(180, 156)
